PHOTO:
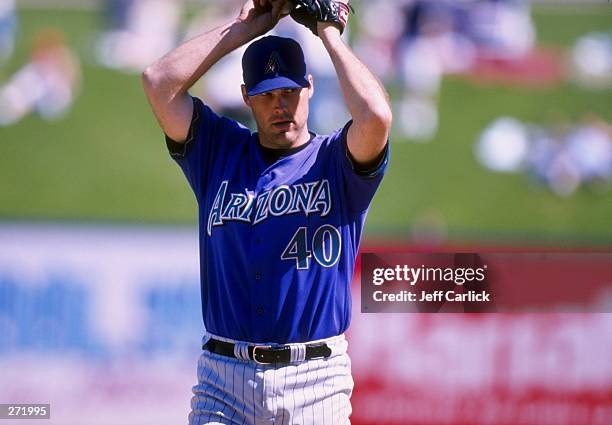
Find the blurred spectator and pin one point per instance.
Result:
(442, 37)
(501, 28)
(503, 145)
(141, 32)
(380, 26)
(591, 60)
(47, 84)
(563, 159)
(430, 47)
(544, 146)
(504, 38)
(116, 13)
(8, 28)
(590, 146)
(550, 164)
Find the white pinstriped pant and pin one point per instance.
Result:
(236, 391)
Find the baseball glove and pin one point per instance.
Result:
(309, 12)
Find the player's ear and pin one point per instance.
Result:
(245, 96)
(311, 87)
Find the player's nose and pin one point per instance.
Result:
(281, 101)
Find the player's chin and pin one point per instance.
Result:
(284, 139)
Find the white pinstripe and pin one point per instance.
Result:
(336, 402)
(228, 400)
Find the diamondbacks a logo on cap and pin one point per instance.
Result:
(275, 64)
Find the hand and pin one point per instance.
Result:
(261, 16)
(341, 21)
(316, 15)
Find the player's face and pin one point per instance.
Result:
(281, 116)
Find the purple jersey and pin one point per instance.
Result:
(278, 241)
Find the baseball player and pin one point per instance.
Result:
(281, 211)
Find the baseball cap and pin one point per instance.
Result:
(272, 63)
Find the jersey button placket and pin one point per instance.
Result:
(256, 252)
(258, 291)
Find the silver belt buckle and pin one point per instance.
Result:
(255, 348)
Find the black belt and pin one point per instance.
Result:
(265, 354)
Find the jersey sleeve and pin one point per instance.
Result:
(360, 184)
(208, 132)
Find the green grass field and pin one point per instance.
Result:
(107, 161)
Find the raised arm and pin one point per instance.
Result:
(365, 98)
(166, 81)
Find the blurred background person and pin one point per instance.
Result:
(380, 26)
(48, 84)
(501, 28)
(442, 37)
(140, 32)
(430, 47)
(589, 144)
(115, 13)
(562, 158)
(503, 145)
(8, 29)
(591, 60)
